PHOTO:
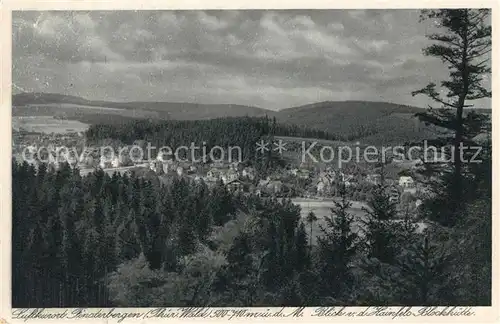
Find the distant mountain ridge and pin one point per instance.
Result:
(173, 110)
(364, 121)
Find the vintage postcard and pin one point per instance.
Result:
(248, 161)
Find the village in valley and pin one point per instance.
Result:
(300, 181)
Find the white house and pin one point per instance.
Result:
(88, 161)
(406, 182)
(331, 172)
(270, 186)
(165, 167)
(213, 174)
(374, 179)
(348, 179)
(115, 163)
(30, 152)
(321, 187)
(303, 174)
(164, 157)
(230, 176)
(168, 165)
(324, 183)
(104, 162)
(248, 173)
(235, 186)
(152, 166)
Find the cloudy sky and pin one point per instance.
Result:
(270, 59)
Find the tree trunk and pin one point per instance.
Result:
(457, 162)
(311, 238)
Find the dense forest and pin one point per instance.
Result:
(126, 241)
(240, 130)
(224, 132)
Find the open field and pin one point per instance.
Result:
(74, 111)
(47, 124)
(74, 106)
(321, 142)
(295, 148)
(322, 208)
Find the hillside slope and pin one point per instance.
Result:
(364, 121)
(163, 110)
(375, 123)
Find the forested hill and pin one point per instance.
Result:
(364, 121)
(359, 120)
(224, 132)
(368, 122)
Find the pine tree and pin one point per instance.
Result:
(71, 253)
(202, 216)
(472, 242)
(464, 45)
(187, 238)
(424, 275)
(279, 234)
(220, 205)
(311, 219)
(234, 280)
(337, 248)
(380, 235)
(302, 254)
(128, 245)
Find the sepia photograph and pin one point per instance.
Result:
(251, 158)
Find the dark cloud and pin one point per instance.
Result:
(273, 59)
